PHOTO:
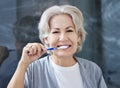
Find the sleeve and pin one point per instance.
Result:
(28, 79)
(98, 75)
(102, 83)
(100, 79)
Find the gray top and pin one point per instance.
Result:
(40, 74)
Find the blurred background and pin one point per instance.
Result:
(18, 26)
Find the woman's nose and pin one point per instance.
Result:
(63, 37)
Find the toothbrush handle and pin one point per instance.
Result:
(51, 48)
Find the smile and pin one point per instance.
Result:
(63, 47)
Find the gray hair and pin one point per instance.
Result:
(75, 13)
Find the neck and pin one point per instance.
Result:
(64, 61)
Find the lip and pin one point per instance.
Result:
(63, 46)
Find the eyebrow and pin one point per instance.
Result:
(65, 28)
(69, 27)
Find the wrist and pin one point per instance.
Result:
(23, 64)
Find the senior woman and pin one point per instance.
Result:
(62, 33)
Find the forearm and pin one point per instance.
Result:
(17, 80)
(28, 56)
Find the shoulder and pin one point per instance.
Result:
(88, 65)
(90, 70)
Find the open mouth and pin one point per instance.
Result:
(63, 47)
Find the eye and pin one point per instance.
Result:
(54, 32)
(69, 30)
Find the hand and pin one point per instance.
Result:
(31, 52)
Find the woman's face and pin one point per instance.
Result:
(62, 34)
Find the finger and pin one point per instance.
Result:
(26, 50)
(34, 50)
(27, 47)
(40, 48)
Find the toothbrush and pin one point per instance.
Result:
(56, 48)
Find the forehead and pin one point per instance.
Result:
(61, 20)
(62, 15)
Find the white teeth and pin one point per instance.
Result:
(63, 47)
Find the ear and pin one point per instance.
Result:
(46, 40)
(79, 36)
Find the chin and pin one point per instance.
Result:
(64, 55)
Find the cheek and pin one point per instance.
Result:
(75, 43)
(75, 40)
(52, 40)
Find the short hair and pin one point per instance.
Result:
(74, 12)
